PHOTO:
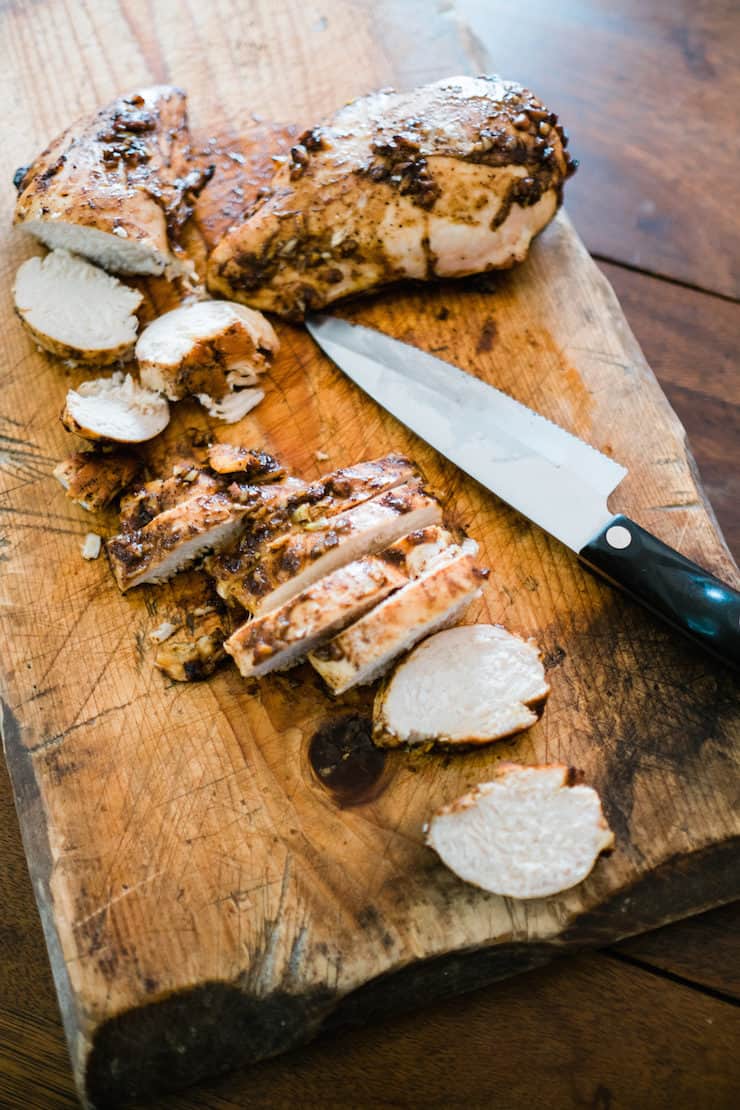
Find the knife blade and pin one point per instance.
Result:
(540, 469)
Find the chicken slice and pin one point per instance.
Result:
(174, 539)
(75, 310)
(210, 347)
(94, 481)
(252, 465)
(284, 565)
(115, 410)
(528, 833)
(334, 493)
(188, 642)
(463, 687)
(452, 178)
(116, 185)
(234, 406)
(144, 503)
(434, 600)
(283, 637)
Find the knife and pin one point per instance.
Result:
(549, 475)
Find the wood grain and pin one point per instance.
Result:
(651, 96)
(178, 833)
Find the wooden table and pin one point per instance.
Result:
(652, 1022)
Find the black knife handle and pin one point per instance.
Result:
(689, 598)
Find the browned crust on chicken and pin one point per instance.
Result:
(141, 506)
(93, 480)
(251, 465)
(194, 622)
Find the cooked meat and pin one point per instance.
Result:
(210, 347)
(284, 565)
(76, 310)
(336, 492)
(528, 833)
(189, 639)
(466, 686)
(143, 504)
(91, 546)
(450, 179)
(115, 410)
(113, 185)
(283, 637)
(252, 465)
(234, 406)
(94, 481)
(436, 599)
(174, 539)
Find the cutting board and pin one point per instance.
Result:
(223, 870)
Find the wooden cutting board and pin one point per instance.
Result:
(223, 870)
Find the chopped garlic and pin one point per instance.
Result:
(91, 546)
(320, 456)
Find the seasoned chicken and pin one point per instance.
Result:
(450, 179)
(283, 637)
(144, 503)
(75, 310)
(212, 350)
(93, 481)
(188, 641)
(174, 539)
(115, 410)
(462, 687)
(284, 565)
(437, 598)
(117, 186)
(527, 833)
(251, 465)
(332, 494)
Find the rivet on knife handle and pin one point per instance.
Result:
(679, 591)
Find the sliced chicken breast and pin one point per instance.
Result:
(283, 637)
(527, 833)
(174, 539)
(115, 410)
(144, 503)
(245, 462)
(463, 687)
(210, 347)
(287, 564)
(188, 641)
(76, 310)
(116, 186)
(452, 178)
(93, 481)
(436, 599)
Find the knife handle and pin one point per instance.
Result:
(674, 588)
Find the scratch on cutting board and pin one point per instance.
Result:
(116, 898)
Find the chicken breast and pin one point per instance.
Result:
(93, 481)
(452, 178)
(285, 565)
(148, 500)
(529, 832)
(117, 186)
(115, 410)
(188, 641)
(75, 310)
(306, 505)
(210, 347)
(283, 637)
(437, 598)
(249, 464)
(460, 688)
(174, 539)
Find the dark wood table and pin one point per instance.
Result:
(651, 94)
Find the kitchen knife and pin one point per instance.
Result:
(549, 475)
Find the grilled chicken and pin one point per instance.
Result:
(94, 481)
(251, 465)
(188, 642)
(528, 833)
(75, 310)
(283, 637)
(463, 687)
(306, 505)
(210, 350)
(115, 410)
(437, 598)
(285, 565)
(144, 503)
(450, 179)
(117, 186)
(174, 539)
